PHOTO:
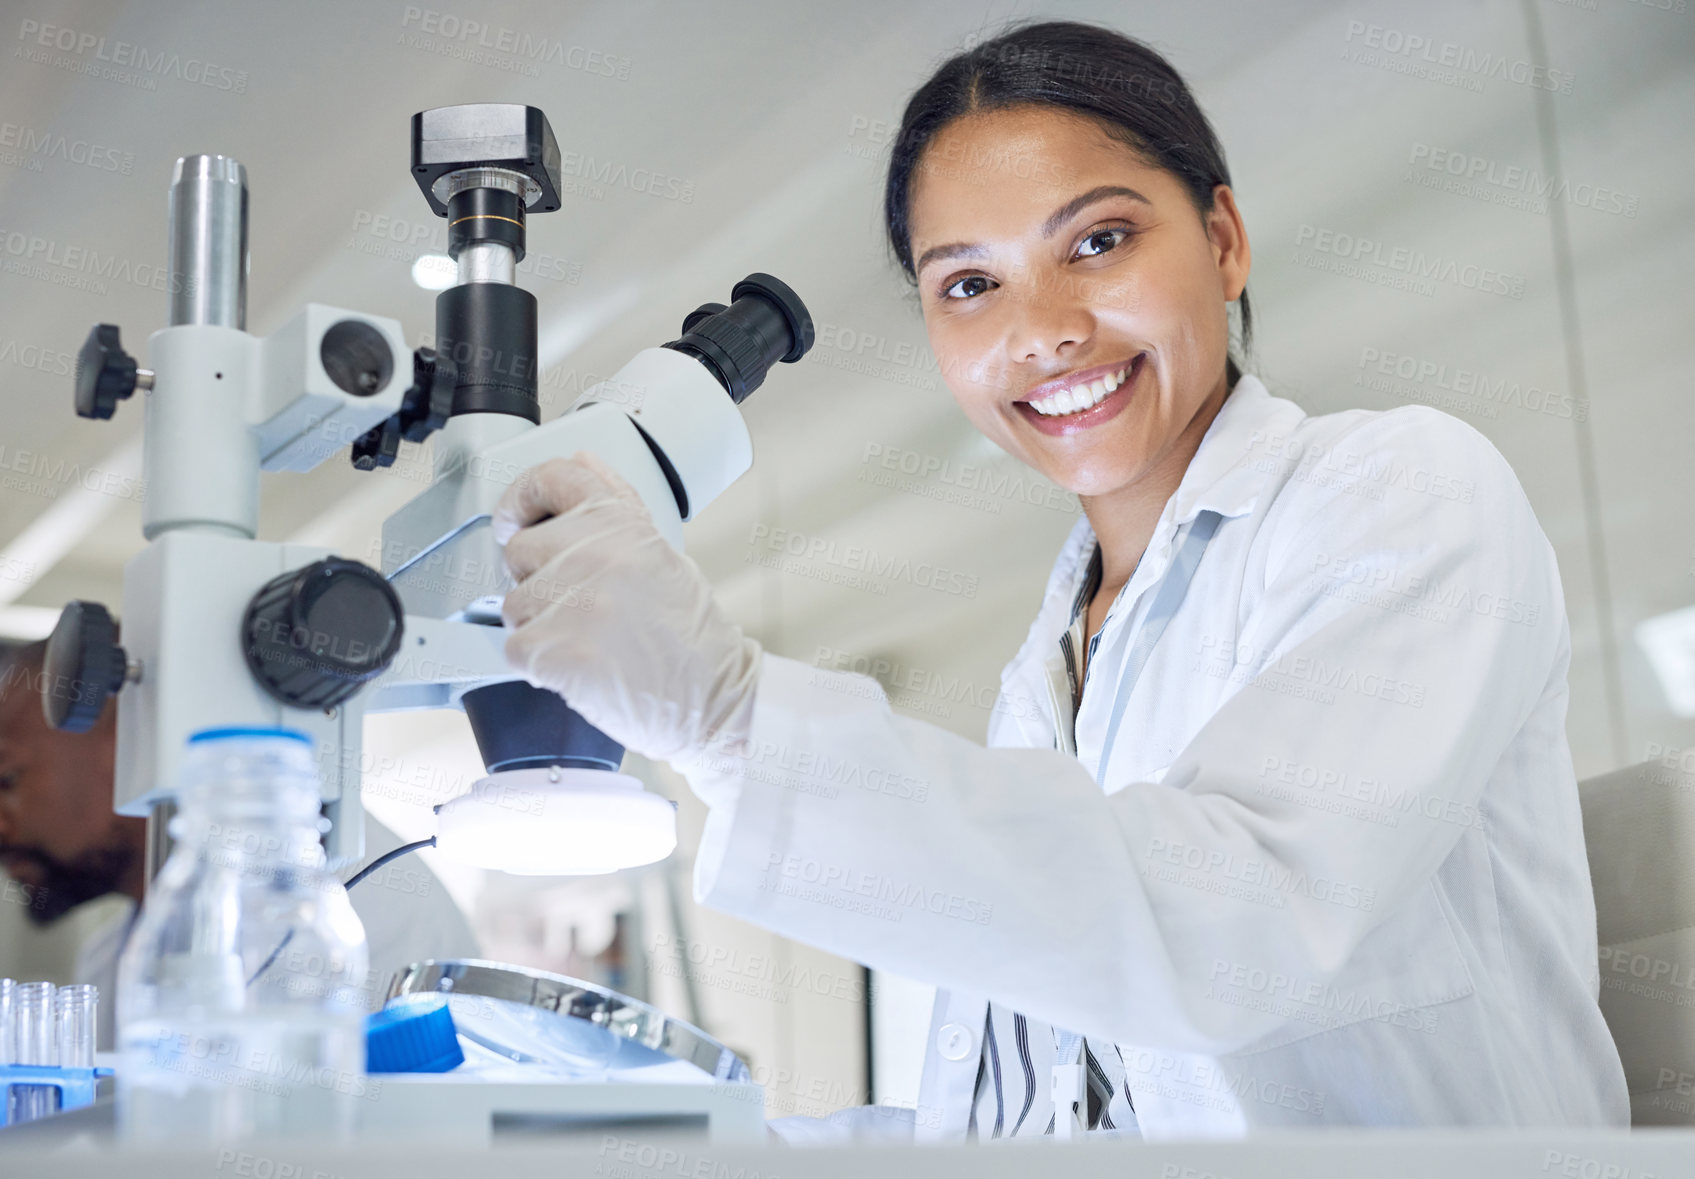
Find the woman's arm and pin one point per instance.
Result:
(1010, 872)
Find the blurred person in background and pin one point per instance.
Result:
(61, 840)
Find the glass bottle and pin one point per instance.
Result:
(239, 1010)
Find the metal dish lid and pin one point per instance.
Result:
(525, 1015)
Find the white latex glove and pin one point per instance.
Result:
(619, 623)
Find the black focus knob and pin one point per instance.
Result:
(83, 667)
(314, 635)
(106, 374)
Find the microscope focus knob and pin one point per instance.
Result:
(106, 374)
(83, 668)
(314, 635)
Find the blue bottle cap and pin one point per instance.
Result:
(412, 1036)
(238, 732)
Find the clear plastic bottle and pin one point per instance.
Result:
(239, 1010)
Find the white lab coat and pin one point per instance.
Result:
(407, 913)
(1334, 871)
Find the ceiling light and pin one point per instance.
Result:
(435, 272)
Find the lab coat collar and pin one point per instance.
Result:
(1221, 477)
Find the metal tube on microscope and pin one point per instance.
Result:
(487, 262)
(208, 242)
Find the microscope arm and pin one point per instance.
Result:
(666, 425)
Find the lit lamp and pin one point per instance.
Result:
(557, 821)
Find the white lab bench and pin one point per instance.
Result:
(630, 1153)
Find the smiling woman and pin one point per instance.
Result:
(1065, 209)
(1300, 845)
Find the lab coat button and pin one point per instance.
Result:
(954, 1041)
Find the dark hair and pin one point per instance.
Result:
(1123, 85)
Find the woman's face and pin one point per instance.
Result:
(1051, 260)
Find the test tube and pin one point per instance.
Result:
(33, 1043)
(8, 1054)
(78, 1008)
(32, 1023)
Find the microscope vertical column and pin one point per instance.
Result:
(199, 457)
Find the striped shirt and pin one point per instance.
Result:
(1013, 1096)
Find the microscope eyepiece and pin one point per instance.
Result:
(764, 324)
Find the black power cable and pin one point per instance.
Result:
(386, 857)
(351, 881)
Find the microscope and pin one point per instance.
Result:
(223, 629)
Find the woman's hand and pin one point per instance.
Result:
(619, 623)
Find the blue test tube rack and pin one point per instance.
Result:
(75, 1085)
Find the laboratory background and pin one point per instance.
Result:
(1511, 247)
